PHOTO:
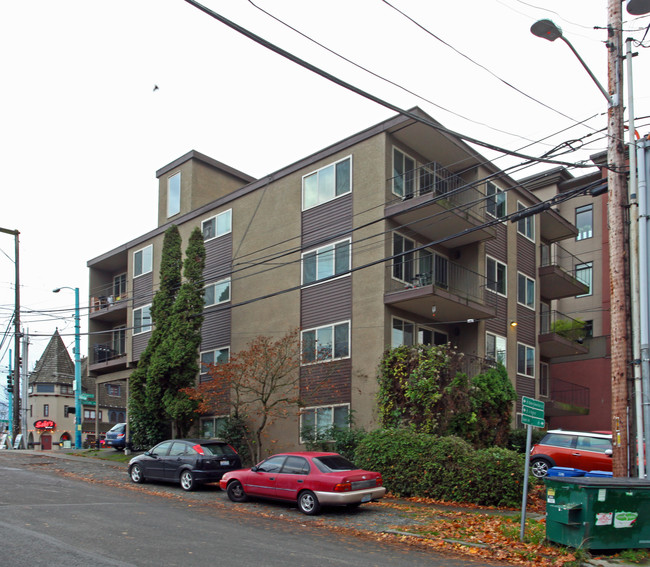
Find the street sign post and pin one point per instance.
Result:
(532, 415)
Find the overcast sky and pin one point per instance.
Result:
(82, 131)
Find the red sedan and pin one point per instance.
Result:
(311, 479)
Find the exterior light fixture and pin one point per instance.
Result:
(513, 324)
(638, 7)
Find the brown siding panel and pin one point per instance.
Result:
(525, 387)
(215, 332)
(139, 343)
(525, 325)
(327, 221)
(498, 247)
(327, 383)
(499, 325)
(218, 258)
(143, 290)
(325, 303)
(526, 256)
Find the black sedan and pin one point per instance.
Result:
(187, 461)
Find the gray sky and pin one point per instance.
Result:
(82, 131)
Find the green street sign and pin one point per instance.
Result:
(532, 412)
(86, 397)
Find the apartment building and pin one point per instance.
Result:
(579, 381)
(395, 235)
(51, 401)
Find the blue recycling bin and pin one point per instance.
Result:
(565, 471)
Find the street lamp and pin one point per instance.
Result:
(546, 29)
(77, 366)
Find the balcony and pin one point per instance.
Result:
(557, 273)
(440, 206)
(567, 398)
(109, 308)
(560, 335)
(106, 358)
(444, 291)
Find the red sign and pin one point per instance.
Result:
(47, 424)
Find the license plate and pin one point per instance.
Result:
(366, 498)
(225, 463)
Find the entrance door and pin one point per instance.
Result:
(46, 442)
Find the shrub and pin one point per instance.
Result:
(517, 439)
(444, 468)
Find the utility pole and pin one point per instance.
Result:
(16, 408)
(616, 181)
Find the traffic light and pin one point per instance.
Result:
(10, 382)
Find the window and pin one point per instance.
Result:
(589, 328)
(496, 276)
(174, 195)
(330, 342)
(326, 261)
(217, 293)
(295, 465)
(403, 174)
(90, 414)
(495, 348)
(317, 422)
(212, 357)
(525, 360)
(142, 261)
(213, 426)
(496, 201)
(584, 274)
(585, 222)
(525, 291)
(526, 226)
(403, 268)
(142, 320)
(543, 379)
(326, 184)
(119, 340)
(45, 388)
(217, 225)
(113, 390)
(67, 390)
(46, 410)
(119, 286)
(430, 337)
(432, 269)
(403, 333)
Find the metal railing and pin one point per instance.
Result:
(555, 255)
(408, 272)
(446, 187)
(563, 325)
(569, 393)
(105, 352)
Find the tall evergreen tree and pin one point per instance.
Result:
(180, 347)
(147, 384)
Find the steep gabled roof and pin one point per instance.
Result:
(55, 365)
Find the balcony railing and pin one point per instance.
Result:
(105, 352)
(451, 190)
(569, 397)
(555, 255)
(561, 324)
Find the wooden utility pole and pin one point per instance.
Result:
(617, 181)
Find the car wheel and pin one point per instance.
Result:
(308, 503)
(136, 474)
(236, 492)
(187, 480)
(539, 467)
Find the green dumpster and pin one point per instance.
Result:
(597, 512)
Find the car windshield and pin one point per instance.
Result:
(333, 463)
(217, 449)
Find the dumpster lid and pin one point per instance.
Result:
(602, 482)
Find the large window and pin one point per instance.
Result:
(496, 273)
(143, 261)
(495, 348)
(142, 320)
(526, 226)
(326, 343)
(327, 183)
(403, 174)
(585, 222)
(217, 293)
(119, 340)
(584, 274)
(496, 201)
(212, 357)
(119, 286)
(403, 265)
(114, 390)
(213, 426)
(317, 422)
(403, 333)
(217, 226)
(174, 195)
(525, 360)
(326, 261)
(525, 291)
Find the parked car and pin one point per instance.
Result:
(311, 479)
(186, 461)
(116, 436)
(583, 450)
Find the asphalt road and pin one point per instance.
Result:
(48, 518)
